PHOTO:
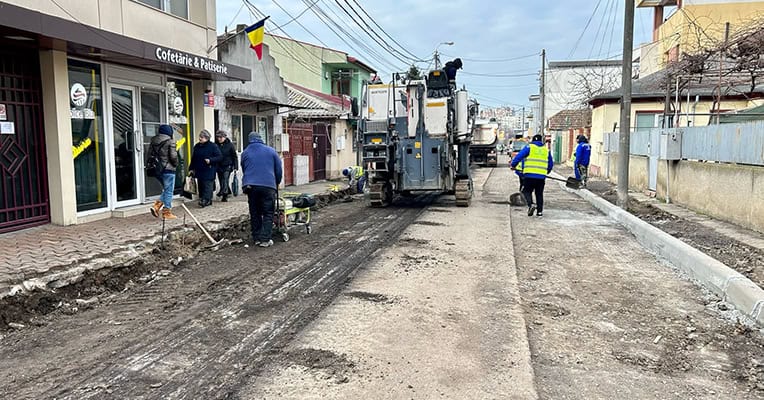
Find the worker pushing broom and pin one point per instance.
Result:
(533, 164)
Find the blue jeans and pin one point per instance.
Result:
(262, 201)
(168, 186)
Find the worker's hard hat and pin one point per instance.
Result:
(346, 172)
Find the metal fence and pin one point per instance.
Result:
(729, 143)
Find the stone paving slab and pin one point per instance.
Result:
(33, 252)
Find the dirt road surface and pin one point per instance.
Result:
(607, 320)
(200, 331)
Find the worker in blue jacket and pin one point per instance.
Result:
(581, 161)
(261, 166)
(537, 164)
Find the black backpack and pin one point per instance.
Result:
(154, 166)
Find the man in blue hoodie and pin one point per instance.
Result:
(581, 162)
(261, 166)
(537, 164)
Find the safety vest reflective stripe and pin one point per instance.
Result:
(537, 161)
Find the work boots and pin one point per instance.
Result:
(156, 208)
(167, 214)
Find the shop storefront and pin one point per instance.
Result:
(78, 109)
(115, 111)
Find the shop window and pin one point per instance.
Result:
(262, 128)
(152, 109)
(88, 146)
(247, 126)
(180, 117)
(236, 137)
(175, 7)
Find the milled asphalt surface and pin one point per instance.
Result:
(436, 315)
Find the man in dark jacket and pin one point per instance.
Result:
(261, 166)
(163, 145)
(537, 164)
(228, 164)
(451, 67)
(203, 167)
(581, 161)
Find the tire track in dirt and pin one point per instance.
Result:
(222, 328)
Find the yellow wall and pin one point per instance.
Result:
(698, 26)
(604, 116)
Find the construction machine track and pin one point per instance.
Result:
(463, 192)
(380, 194)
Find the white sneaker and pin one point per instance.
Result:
(266, 244)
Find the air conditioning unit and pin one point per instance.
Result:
(281, 142)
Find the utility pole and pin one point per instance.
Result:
(541, 93)
(522, 123)
(625, 131)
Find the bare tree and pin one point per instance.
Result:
(588, 83)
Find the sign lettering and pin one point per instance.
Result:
(182, 59)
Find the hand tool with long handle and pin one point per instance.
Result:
(571, 182)
(199, 224)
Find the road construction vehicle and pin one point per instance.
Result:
(416, 137)
(485, 137)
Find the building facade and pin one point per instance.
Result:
(84, 86)
(683, 27)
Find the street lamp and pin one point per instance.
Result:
(437, 56)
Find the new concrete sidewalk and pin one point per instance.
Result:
(42, 256)
(713, 275)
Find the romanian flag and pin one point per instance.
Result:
(255, 35)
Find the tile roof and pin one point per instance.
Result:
(313, 104)
(571, 119)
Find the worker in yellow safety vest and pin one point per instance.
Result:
(536, 164)
(356, 178)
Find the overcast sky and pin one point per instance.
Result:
(499, 41)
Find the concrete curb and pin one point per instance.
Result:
(730, 285)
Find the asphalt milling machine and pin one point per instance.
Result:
(416, 137)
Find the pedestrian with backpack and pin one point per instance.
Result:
(161, 164)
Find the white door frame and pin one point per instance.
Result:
(137, 153)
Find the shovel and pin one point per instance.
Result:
(571, 182)
(215, 244)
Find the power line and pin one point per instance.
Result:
(298, 22)
(494, 60)
(499, 75)
(599, 27)
(383, 46)
(334, 26)
(588, 22)
(297, 16)
(608, 24)
(612, 30)
(385, 32)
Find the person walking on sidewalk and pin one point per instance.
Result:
(203, 167)
(163, 146)
(261, 166)
(581, 160)
(537, 164)
(229, 163)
